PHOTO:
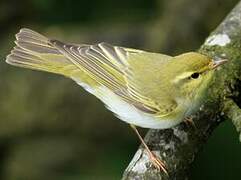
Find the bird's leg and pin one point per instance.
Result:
(155, 160)
(189, 121)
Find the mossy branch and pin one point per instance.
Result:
(178, 146)
(233, 112)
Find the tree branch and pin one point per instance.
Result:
(178, 146)
(233, 112)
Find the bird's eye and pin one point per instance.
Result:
(195, 75)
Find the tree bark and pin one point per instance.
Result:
(178, 146)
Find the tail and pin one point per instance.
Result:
(34, 51)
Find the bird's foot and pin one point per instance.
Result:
(157, 163)
(189, 121)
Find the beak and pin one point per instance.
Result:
(216, 64)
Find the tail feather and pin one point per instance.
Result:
(34, 51)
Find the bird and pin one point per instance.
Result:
(144, 89)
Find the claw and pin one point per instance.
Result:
(157, 163)
(189, 121)
(154, 160)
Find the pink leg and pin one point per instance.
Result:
(155, 160)
(189, 121)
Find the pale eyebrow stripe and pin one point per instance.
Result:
(182, 76)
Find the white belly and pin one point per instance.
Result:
(132, 115)
(127, 112)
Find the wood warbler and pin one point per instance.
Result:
(145, 89)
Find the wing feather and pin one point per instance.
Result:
(109, 66)
(99, 65)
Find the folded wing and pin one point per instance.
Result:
(95, 65)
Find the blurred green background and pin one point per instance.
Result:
(52, 129)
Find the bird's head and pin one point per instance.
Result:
(192, 72)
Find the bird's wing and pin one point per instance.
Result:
(130, 74)
(111, 67)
